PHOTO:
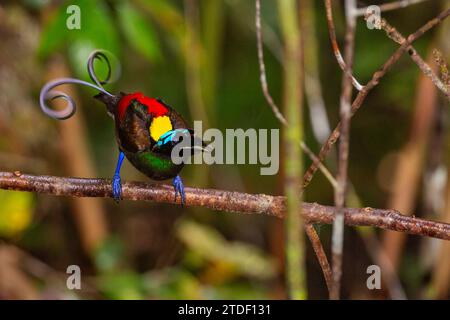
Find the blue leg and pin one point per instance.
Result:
(179, 188)
(116, 184)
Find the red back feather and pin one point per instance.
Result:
(155, 108)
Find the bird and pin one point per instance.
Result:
(147, 129)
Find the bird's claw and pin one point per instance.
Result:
(117, 188)
(179, 189)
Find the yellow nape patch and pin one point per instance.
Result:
(159, 126)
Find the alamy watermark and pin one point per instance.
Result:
(373, 14)
(73, 21)
(374, 280)
(236, 146)
(73, 281)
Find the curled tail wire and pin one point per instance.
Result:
(47, 92)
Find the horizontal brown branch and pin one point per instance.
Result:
(221, 200)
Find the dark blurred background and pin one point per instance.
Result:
(200, 57)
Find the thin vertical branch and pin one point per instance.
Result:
(321, 128)
(336, 50)
(262, 66)
(443, 69)
(322, 168)
(311, 233)
(265, 88)
(345, 112)
(313, 88)
(295, 249)
(320, 254)
(379, 256)
(362, 95)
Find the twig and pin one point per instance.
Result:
(365, 91)
(221, 200)
(320, 254)
(337, 244)
(424, 67)
(262, 67)
(334, 44)
(293, 160)
(410, 164)
(311, 233)
(321, 129)
(322, 168)
(265, 88)
(443, 68)
(378, 255)
(389, 6)
(313, 88)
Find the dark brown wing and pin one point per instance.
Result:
(132, 132)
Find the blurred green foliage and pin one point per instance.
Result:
(16, 212)
(98, 30)
(138, 32)
(237, 258)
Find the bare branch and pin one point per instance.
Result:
(221, 200)
(313, 88)
(315, 241)
(322, 168)
(424, 67)
(379, 256)
(262, 67)
(265, 88)
(337, 244)
(293, 160)
(321, 129)
(443, 69)
(320, 254)
(334, 44)
(360, 98)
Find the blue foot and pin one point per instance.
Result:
(179, 188)
(117, 188)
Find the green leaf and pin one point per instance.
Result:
(138, 32)
(109, 255)
(16, 212)
(126, 285)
